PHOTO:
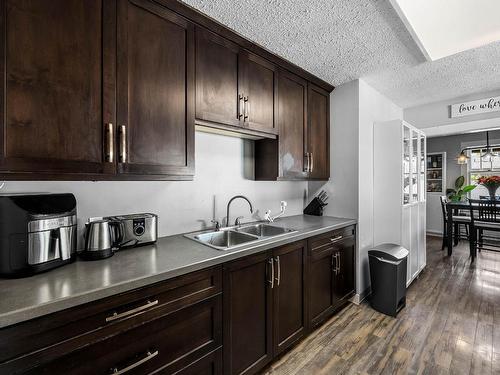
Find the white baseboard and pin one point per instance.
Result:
(360, 297)
(435, 233)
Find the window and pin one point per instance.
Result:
(482, 166)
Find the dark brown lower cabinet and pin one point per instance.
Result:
(247, 314)
(288, 295)
(264, 307)
(230, 319)
(330, 274)
(211, 364)
(169, 327)
(166, 343)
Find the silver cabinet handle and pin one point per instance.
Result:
(338, 263)
(306, 162)
(240, 107)
(312, 161)
(116, 316)
(278, 279)
(271, 261)
(334, 263)
(149, 356)
(123, 144)
(110, 140)
(335, 239)
(246, 108)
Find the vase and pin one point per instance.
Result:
(492, 189)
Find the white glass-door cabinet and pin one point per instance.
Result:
(400, 190)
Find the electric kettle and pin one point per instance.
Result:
(101, 237)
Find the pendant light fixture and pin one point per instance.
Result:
(462, 158)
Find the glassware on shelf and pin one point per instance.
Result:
(406, 164)
(415, 157)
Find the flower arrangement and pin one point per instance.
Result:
(489, 180)
(492, 183)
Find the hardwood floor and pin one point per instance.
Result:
(451, 325)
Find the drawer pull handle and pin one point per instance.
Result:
(149, 356)
(116, 316)
(334, 239)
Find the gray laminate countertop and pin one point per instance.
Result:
(86, 281)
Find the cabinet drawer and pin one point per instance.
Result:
(168, 343)
(324, 242)
(70, 329)
(210, 364)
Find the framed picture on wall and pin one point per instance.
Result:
(436, 172)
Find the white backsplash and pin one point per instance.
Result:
(224, 168)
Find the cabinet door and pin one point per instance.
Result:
(54, 108)
(247, 314)
(155, 90)
(318, 112)
(320, 282)
(258, 80)
(343, 282)
(292, 123)
(217, 79)
(288, 295)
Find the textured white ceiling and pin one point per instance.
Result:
(341, 40)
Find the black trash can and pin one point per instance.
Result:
(388, 264)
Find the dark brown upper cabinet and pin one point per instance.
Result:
(318, 139)
(216, 79)
(292, 121)
(112, 90)
(257, 87)
(302, 151)
(155, 100)
(233, 87)
(58, 95)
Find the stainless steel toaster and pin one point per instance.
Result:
(136, 229)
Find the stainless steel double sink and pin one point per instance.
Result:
(234, 237)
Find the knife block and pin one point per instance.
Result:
(315, 207)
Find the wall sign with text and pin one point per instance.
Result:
(475, 107)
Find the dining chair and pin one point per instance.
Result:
(485, 217)
(459, 221)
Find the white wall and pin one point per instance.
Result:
(183, 206)
(438, 113)
(355, 106)
(373, 107)
(343, 186)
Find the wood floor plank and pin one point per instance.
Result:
(450, 325)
